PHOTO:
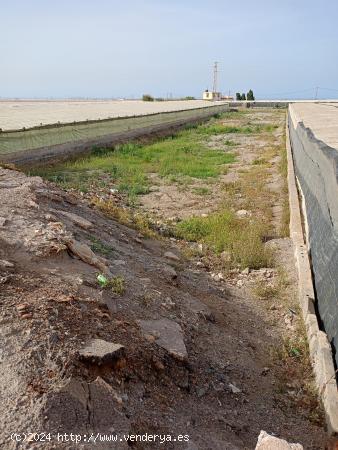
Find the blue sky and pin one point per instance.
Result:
(102, 48)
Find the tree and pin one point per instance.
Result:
(238, 96)
(250, 95)
(147, 98)
(243, 97)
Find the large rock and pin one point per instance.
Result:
(100, 352)
(77, 220)
(4, 264)
(243, 213)
(171, 256)
(267, 442)
(87, 408)
(87, 255)
(169, 273)
(58, 196)
(3, 221)
(168, 335)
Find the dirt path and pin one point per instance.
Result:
(211, 352)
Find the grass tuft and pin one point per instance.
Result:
(297, 376)
(117, 285)
(218, 128)
(201, 190)
(100, 247)
(242, 238)
(283, 168)
(230, 143)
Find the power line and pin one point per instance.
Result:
(328, 89)
(315, 90)
(288, 93)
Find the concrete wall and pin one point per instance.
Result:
(316, 166)
(261, 104)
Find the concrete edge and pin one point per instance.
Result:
(319, 346)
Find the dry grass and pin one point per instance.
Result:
(242, 238)
(296, 380)
(265, 291)
(117, 285)
(126, 216)
(9, 167)
(274, 291)
(283, 168)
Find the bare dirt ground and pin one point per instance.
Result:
(203, 355)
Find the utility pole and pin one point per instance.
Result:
(214, 88)
(316, 95)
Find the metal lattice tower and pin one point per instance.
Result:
(214, 88)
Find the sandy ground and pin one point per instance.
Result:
(18, 114)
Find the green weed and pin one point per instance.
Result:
(259, 161)
(184, 155)
(100, 247)
(117, 285)
(219, 128)
(242, 238)
(230, 143)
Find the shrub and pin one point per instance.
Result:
(147, 98)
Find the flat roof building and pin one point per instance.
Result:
(210, 95)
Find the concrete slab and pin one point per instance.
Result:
(319, 346)
(322, 118)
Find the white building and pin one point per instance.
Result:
(213, 96)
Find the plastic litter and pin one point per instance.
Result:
(103, 281)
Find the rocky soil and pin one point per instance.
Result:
(167, 350)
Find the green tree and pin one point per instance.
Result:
(250, 95)
(243, 97)
(238, 96)
(147, 98)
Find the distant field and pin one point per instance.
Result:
(24, 113)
